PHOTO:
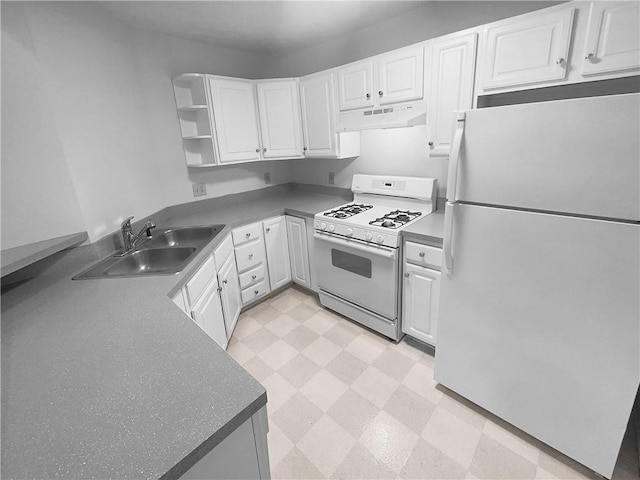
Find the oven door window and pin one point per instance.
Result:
(350, 262)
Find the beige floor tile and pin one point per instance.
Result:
(300, 293)
(278, 391)
(302, 312)
(365, 348)
(265, 313)
(508, 435)
(299, 370)
(314, 302)
(389, 441)
(281, 325)
(320, 322)
(284, 302)
(240, 352)
(259, 340)
(562, 466)
(278, 354)
(258, 369)
(542, 474)
(346, 367)
(353, 412)
(326, 445)
(323, 390)
(340, 334)
(462, 408)
(360, 464)
(279, 445)
(455, 438)
(300, 337)
(420, 380)
(375, 386)
(393, 363)
(296, 417)
(426, 462)
(322, 351)
(295, 465)
(410, 409)
(409, 347)
(245, 327)
(494, 460)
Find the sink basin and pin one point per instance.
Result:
(184, 236)
(151, 261)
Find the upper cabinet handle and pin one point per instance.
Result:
(430, 144)
(264, 149)
(590, 57)
(257, 150)
(380, 92)
(560, 61)
(368, 96)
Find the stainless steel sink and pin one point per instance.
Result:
(184, 236)
(166, 253)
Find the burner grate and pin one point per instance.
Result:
(348, 210)
(395, 219)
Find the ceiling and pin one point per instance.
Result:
(266, 27)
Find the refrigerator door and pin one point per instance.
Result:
(578, 156)
(539, 325)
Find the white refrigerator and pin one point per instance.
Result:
(540, 298)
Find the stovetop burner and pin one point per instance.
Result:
(395, 219)
(348, 210)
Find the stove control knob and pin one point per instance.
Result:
(349, 231)
(323, 226)
(379, 239)
(368, 236)
(332, 228)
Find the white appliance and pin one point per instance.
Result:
(357, 244)
(407, 114)
(540, 298)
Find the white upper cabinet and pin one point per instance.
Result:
(356, 85)
(280, 123)
(612, 41)
(234, 111)
(400, 75)
(319, 110)
(528, 49)
(453, 69)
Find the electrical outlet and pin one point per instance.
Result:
(267, 178)
(332, 178)
(199, 189)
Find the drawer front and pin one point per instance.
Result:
(254, 292)
(423, 255)
(196, 284)
(252, 276)
(222, 251)
(249, 255)
(246, 234)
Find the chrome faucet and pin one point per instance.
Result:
(129, 239)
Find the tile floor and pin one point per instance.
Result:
(344, 402)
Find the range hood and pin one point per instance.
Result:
(391, 116)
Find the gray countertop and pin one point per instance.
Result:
(108, 378)
(428, 230)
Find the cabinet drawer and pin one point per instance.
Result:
(196, 284)
(246, 234)
(423, 255)
(222, 251)
(254, 292)
(249, 255)
(252, 276)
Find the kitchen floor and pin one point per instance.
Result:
(344, 402)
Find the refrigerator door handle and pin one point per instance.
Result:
(454, 157)
(448, 237)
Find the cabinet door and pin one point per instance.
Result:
(613, 42)
(230, 294)
(420, 300)
(454, 60)
(318, 114)
(355, 85)
(275, 238)
(298, 251)
(400, 75)
(280, 124)
(527, 49)
(234, 111)
(208, 315)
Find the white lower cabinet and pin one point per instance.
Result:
(207, 313)
(277, 248)
(298, 251)
(251, 262)
(421, 291)
(230, 293)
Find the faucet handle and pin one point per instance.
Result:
(126, 223)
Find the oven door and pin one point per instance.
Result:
(360, 273)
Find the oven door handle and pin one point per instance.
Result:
(378, 250)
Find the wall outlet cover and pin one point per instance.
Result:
(199, 189)
(332, 178)
(267, 177)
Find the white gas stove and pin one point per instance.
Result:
(357, 247)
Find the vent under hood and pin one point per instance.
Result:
(391, 116)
